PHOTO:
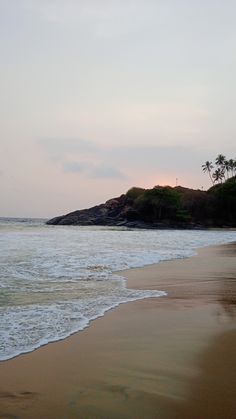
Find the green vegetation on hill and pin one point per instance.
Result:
(225, 201)
(215, 207)
(158, 203)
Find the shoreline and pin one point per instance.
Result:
(123, 274)
(141, 357)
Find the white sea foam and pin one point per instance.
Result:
(55, 280)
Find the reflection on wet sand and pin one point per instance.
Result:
(227, 296)
(213, 392)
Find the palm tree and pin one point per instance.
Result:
(234, 167)
(220, 162)
(227, 167)
(231, 166)
(218, 175)
(207, 167)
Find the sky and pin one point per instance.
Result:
(98, 96)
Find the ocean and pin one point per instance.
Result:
(55, 279)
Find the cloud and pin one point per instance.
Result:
(131, 164)
(101, 171)
(100, 161)
(108, 172)
(59, 148)
(156, 159)
(74, 167)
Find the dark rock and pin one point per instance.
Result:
(162, 207)
(113, 212)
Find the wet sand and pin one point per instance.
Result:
(161, 358)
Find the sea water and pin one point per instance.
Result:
(55, 279)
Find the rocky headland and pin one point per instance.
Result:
(162, 207)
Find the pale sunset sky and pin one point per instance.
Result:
(98, 96)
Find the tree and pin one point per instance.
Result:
(220, 160)
(218, 175)
(232, 166)
(158, 203)
(207, 167)
(227, 168)
(221, 163)
(223, 167)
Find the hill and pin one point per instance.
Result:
(162, 207)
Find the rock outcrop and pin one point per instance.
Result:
(162, 207)
(113, 212)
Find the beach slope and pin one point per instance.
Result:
(169, 357)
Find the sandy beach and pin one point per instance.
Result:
(171, 357)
